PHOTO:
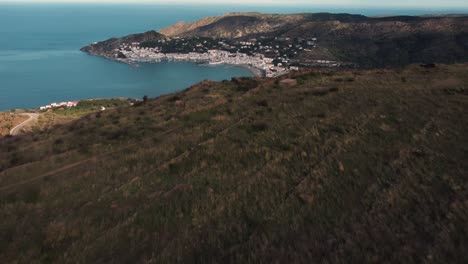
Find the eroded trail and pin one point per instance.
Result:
(17, 129)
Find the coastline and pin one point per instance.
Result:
(257, 72)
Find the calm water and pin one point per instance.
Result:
(40, 61)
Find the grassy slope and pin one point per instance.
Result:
(49, 119)
(375, 171)
(9, 121)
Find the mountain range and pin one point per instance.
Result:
(366, 41)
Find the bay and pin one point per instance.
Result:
(40, 61)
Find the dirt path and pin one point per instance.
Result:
(17, 129)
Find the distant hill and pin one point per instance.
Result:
(106, 48)
(366, 41)
(369, 42)
(332, 166)
(232, 25)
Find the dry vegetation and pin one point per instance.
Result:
(9, 121)
(357, 166)
(51, 118)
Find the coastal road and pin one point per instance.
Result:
(32, 118)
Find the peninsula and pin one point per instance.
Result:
(275, 45)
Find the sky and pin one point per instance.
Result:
(348, 3)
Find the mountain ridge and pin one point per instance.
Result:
(365, 41)
(179, 31)
(368, 42)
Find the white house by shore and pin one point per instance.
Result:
(62, 104)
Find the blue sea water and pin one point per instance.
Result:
(40, 61)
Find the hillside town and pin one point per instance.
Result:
(272, 57)
(212, 57)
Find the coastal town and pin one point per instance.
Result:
(57, 105)
(266, 57)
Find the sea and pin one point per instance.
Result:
(40, 60)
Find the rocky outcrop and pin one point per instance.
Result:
(106, 48)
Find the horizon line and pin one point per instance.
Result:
(184, 2)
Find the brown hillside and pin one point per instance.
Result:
(352, 166)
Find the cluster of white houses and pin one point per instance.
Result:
(134, 53)
(62, 104)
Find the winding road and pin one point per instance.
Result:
(17, 129)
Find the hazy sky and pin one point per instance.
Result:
(357, 3)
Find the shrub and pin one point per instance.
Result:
(321, 91)
(29, 195)
(174, 98)
(263, 103)
(137, 104)
(259, 126)
(245, 84)
(198, 117)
